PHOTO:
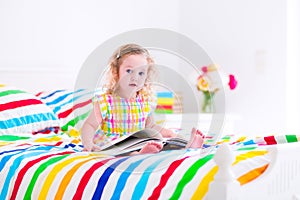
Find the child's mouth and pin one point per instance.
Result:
(132, 85)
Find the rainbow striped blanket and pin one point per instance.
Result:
(54, 167)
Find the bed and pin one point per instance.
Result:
(41, 158)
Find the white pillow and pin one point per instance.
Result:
(70, 107)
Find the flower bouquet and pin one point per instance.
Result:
(209, 88)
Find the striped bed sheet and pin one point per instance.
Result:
(54, 167)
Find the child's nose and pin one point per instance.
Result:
(134, 76)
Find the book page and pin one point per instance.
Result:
(128, 145)
(136, 141)
(148, 133)
(111, 143)
(145, 133)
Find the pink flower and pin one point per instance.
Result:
(204, 69)
(232, 82)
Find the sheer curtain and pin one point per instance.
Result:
(293, 67)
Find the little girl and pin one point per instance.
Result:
(127, 105)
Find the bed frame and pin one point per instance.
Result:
(280, 181)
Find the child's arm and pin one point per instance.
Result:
(89, 128)
(150, 123)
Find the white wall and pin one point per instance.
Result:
(247, 38)
(293, 66)
(57, 36)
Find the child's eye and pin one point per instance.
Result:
(141, 73)
(129, 71)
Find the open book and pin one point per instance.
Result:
(136, 141)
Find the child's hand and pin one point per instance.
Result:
(91, 147)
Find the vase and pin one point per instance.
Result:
(207, 102)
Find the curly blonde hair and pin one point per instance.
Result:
(115, 62)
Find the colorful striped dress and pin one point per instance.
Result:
(121, 116)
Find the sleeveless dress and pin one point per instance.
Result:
(121, 116)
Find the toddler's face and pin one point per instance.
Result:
(132, 74)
